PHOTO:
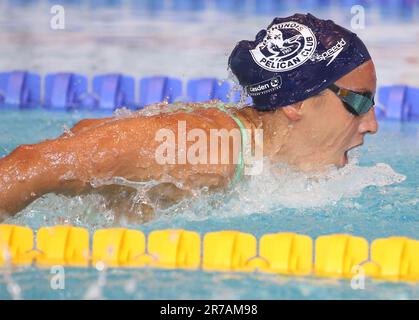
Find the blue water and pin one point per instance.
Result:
(377, 197)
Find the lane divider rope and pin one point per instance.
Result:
(334, 255)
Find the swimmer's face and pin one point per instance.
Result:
(327, 130)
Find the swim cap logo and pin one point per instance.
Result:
(286, 46)
(331, 53)
(264, 87)
(275, 82)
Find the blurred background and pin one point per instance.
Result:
(188, 38)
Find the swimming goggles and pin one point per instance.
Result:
(356, 103)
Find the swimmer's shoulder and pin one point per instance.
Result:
(249, 116)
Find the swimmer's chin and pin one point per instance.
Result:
(345, 159)
(339, 163)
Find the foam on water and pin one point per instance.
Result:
(281, 187)
(277, 187)
(293, 189)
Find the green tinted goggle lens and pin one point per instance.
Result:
(355, 102)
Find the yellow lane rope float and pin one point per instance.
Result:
(335, 255)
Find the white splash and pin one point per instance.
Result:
(290, 189)
(259, 194)
(293, 189)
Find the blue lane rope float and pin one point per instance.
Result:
(334, 255)
(69, 91)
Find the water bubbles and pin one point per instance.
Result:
(100, 266)
(109, 217)
(5, 150)
(123, 113)
(14, 290)
(67, 131)
(95, 290)
(236, 89)
(96, 182)
(93, 293)
(69, 175)
(131, 286)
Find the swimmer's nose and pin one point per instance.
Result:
(368, 123)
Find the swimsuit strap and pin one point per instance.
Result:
(244, 141)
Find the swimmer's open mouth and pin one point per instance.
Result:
(345, 154)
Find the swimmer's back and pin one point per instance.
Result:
(137, 144)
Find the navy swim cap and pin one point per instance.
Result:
(295, 58)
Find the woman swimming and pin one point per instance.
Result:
(312, 107)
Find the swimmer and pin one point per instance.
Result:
(311, 114)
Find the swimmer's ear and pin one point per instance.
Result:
(293, 112)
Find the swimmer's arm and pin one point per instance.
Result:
(67, 164)
(86, 124)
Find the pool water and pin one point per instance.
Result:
(376, 195)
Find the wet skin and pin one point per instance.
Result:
(309, 135)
